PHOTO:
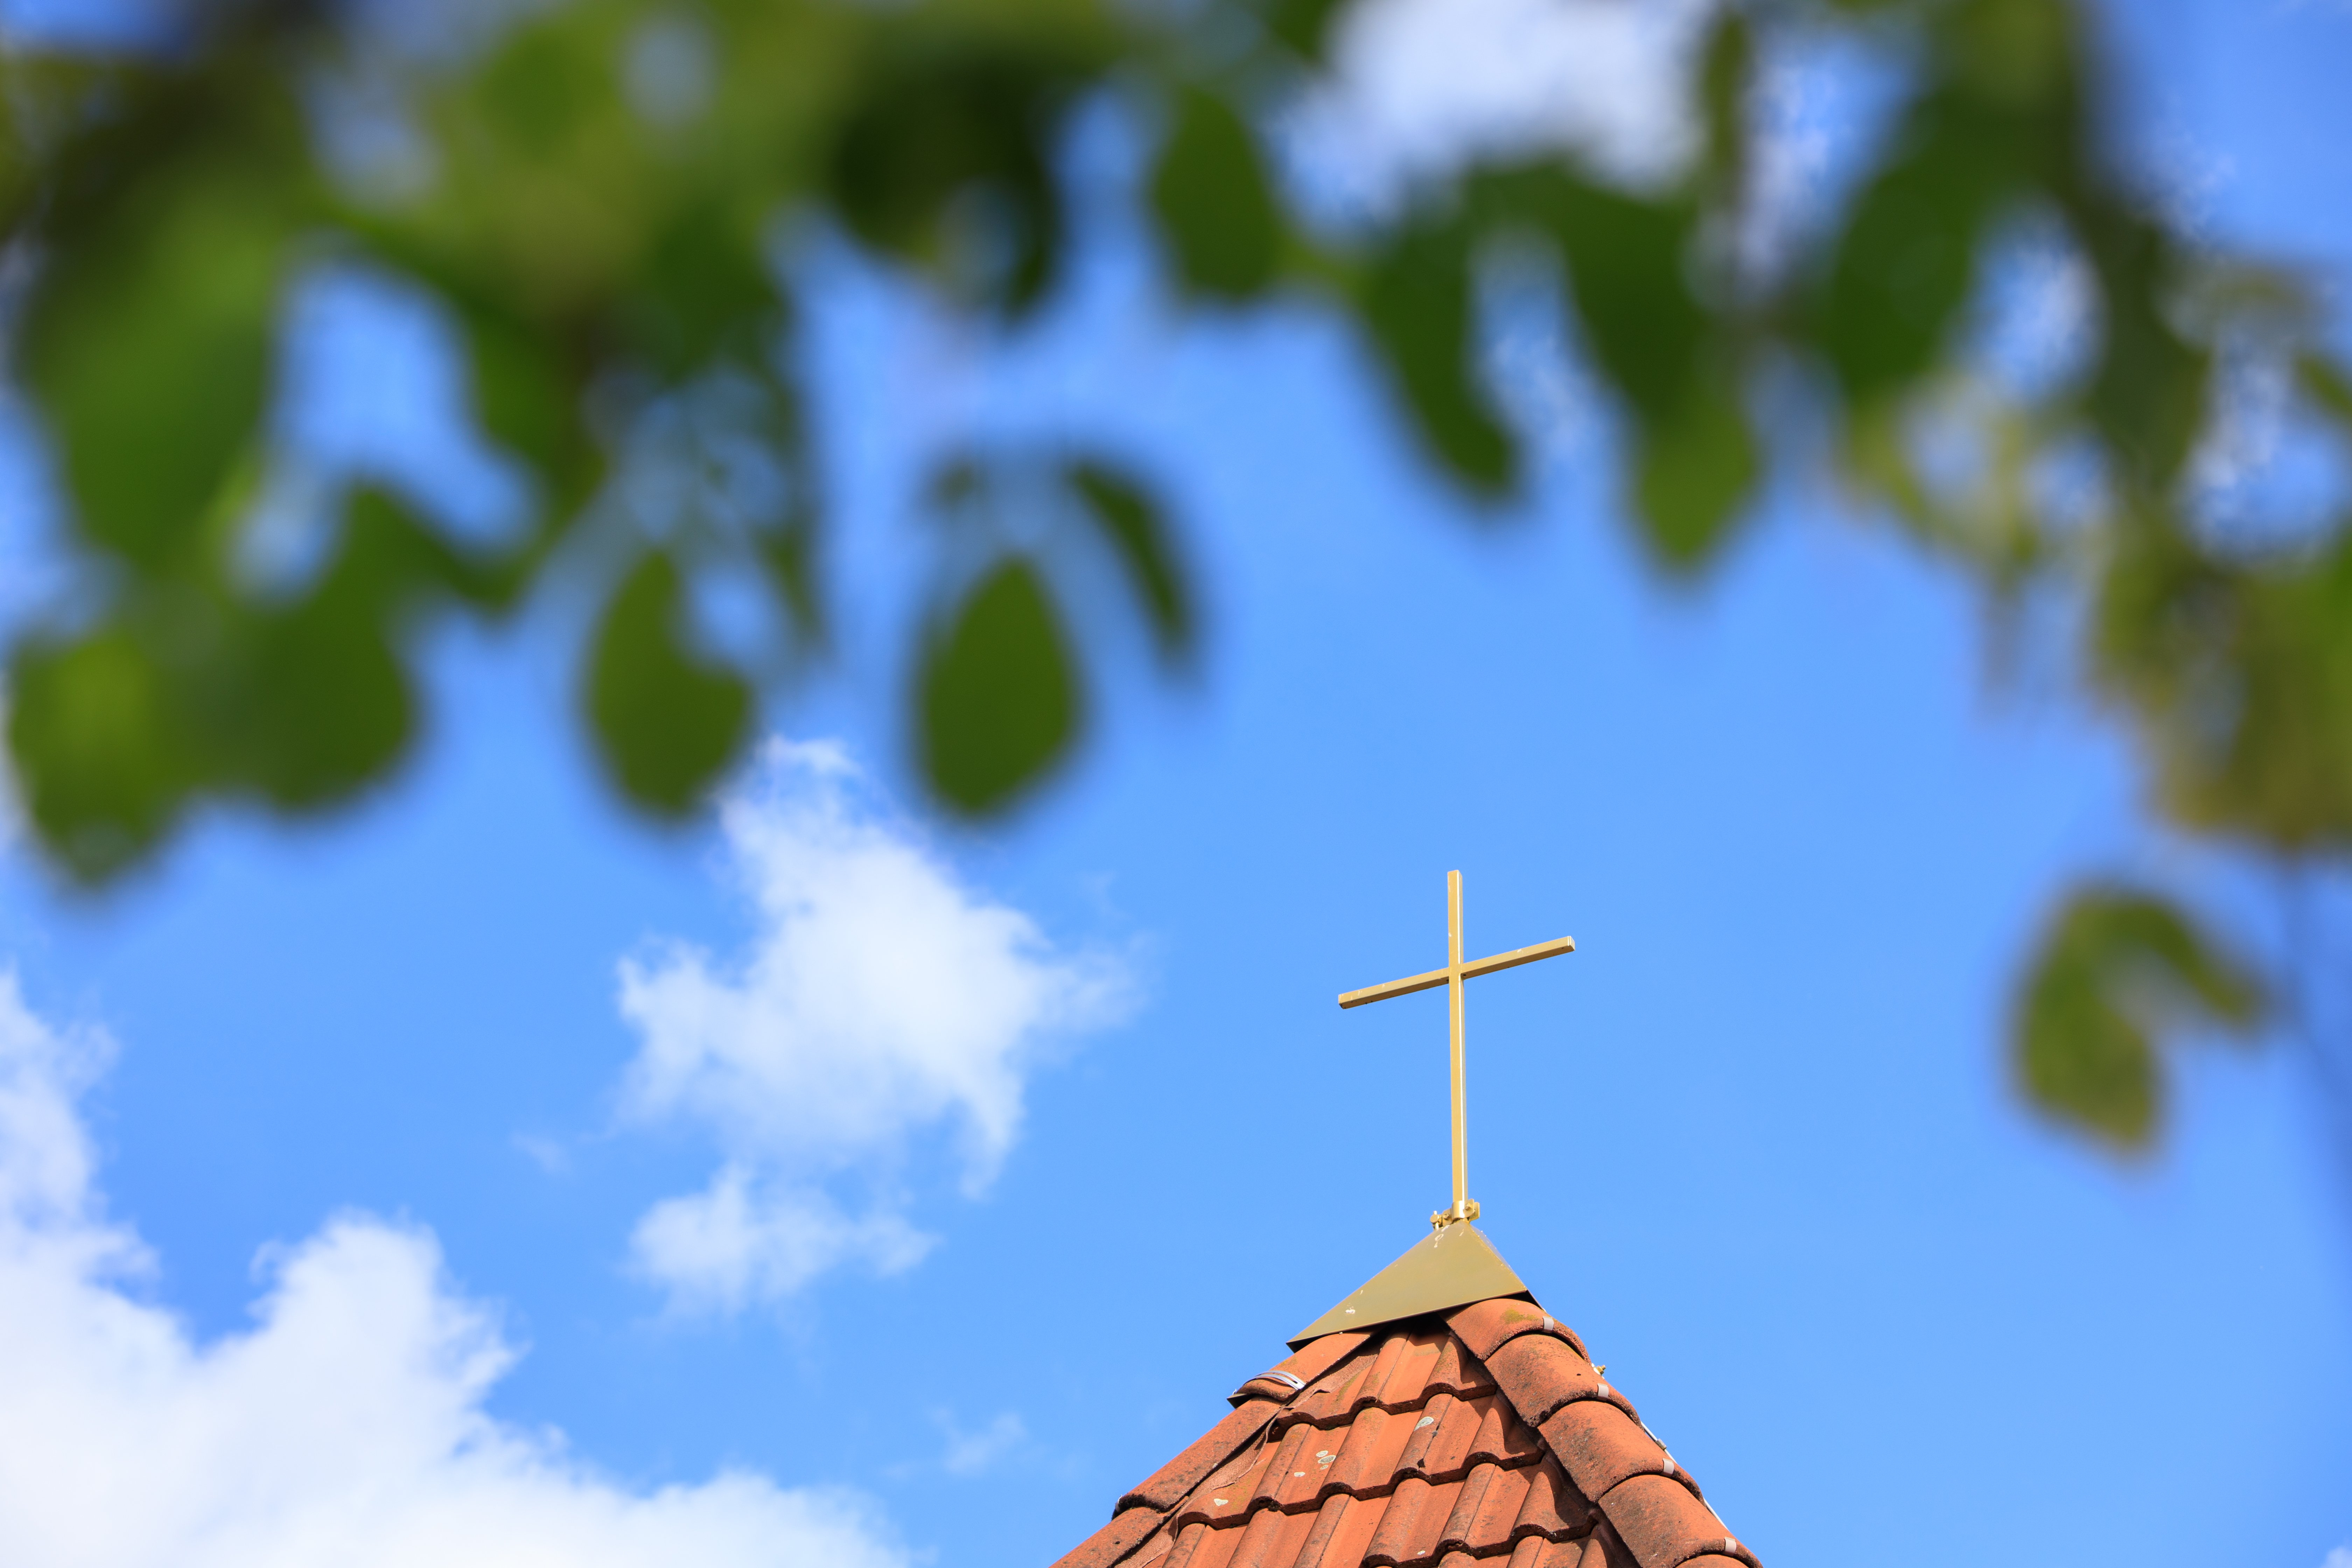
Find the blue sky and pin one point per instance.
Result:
(486, 1168)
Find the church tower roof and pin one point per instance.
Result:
(1450, 1434)
(1438, 1416)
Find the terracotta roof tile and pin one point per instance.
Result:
(1479, 1438)
(1167, 1485)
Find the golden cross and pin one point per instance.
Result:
(1453, 977)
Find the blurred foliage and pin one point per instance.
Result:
(2116, 969)
(603, 196)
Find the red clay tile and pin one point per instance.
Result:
(1600, 1446)
(1541, 1373)
(1408, 1375)
(1399, 1538)
(1530, 1552)
(1457, 1371)
(1295, 1478)
(1485, 1510)
(1272, 1538)
(1554, 1509)
(1330, 1519)
(1316, 1357)
(1604, 1548)
(1367, 1459)
(1485, 1326)
(1664, 1525)
(1167, 1485)
(1114, 1541)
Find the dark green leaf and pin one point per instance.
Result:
(997, 701)
(1305, 26)
(1693, 473)
(97, 739)
(1130, 523)
(1725, 74)
(312, 702)
(1693, 459)
(2149, 392)
(148, 346)
(1903, 266)
(2328, 384)
(705, 286)
(2114, 970)
(667, 719)
(1215, 207)
(528, 395)
(1417, 303)
(947, 160)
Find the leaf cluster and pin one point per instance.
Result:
(602, 204)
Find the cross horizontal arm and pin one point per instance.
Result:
(1435, 978)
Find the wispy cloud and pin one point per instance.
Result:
(346, 1426)
(880, 998)
(976, 1453)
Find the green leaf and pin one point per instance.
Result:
(1694, 459)
(666, 720)
(1904, 265)
(1726, 72)
(99, 749)
(2328, 384)
(995, 697)
(528, 396)
(2116, 969)
(1131, 524)
(147, 341)
(704, 285)
(2149, 392)
(946, 160)
(1303, 25)
(1693, 473)
(1417, 304)
(1214, 206)
(2239, 677)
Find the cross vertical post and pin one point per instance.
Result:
(1453, 977)
(1455, 980)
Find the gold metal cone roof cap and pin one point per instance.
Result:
(1453, 1266)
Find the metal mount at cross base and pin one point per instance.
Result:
(1453, 976)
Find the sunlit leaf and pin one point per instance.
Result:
(1215, 207)
(1417, 303)
(667, 719)
(2116, 970)
(997, 704)
(1131, 524)
(2239, 677)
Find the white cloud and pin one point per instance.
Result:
(734, 1243)
(975, 1453)
(346, 1426)
(879, 997)
(1418, 86)
(2339, 1558)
